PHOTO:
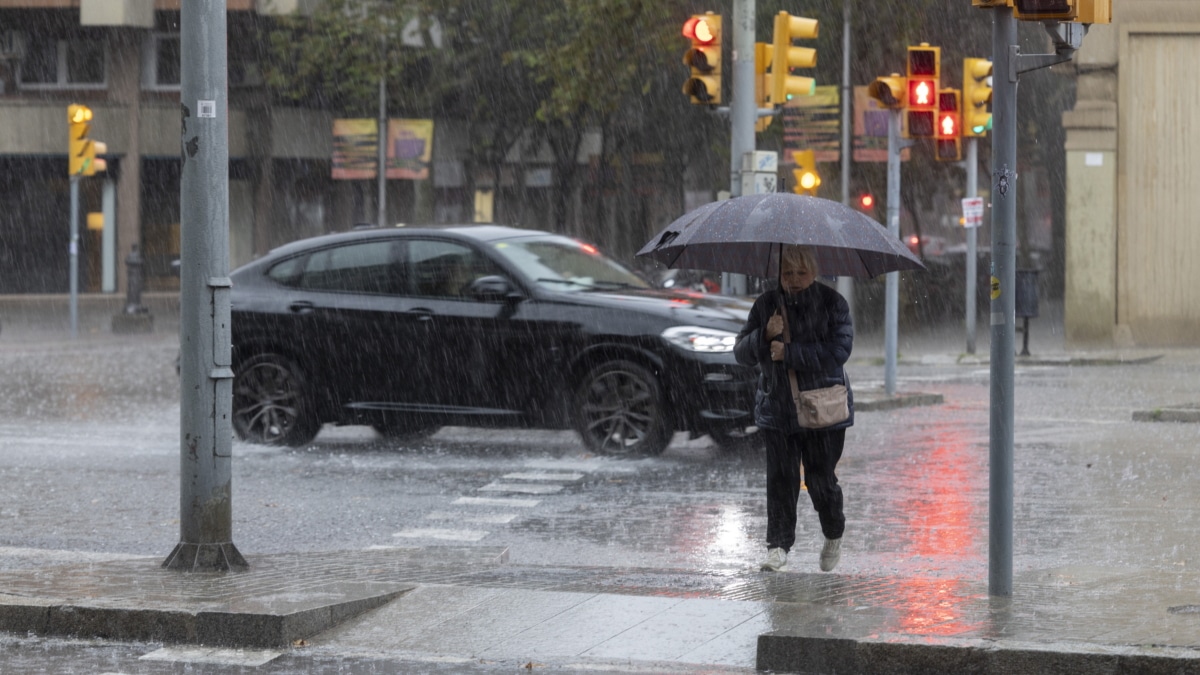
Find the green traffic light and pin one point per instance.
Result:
(980, 128)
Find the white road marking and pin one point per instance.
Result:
(497, 501)
(461, 516)
(565, 477)
(524, 488)
(446, 535)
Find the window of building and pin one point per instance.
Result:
(161, 68)
(56, 63)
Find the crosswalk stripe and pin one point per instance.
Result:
(491, 518)
(524, 488)
(565, 477)
(448, 535)
(497, 501)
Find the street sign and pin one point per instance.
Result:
(972, 211)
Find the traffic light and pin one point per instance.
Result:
(704, 58)
(866, 203)
(891, 91)
(976, 97)
(924, 73)
(948, 145)
(762, 83)
(80, 151)
(806, 178)
(784, 57)
(96, 164)
(1041, 10)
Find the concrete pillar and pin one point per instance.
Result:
(1090, 286)
(125, 55)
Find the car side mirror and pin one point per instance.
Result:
(494, 288)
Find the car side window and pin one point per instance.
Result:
(288, 271)
(365, 267)
(443, 269)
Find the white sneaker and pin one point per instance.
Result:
(776, 560)
(831, 554)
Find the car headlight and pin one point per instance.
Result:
(698, 339)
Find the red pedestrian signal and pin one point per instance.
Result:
(949, 120)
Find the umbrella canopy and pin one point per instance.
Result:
(743, 236)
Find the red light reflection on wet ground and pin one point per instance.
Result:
(943, 521)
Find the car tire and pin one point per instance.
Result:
(271, 404)
(396, 430)
(619, 410)
(736, 438)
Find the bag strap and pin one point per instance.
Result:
(787, 338)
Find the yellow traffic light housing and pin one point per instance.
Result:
(784, 57)
(948, 146)
(891, 91)
(1042, 10)
(976, 97)
(806, 180)
(762, 82)
(80, 151)
(96, 164)
(703, 58)
(924, 73)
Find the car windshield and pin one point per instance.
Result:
(566, 264)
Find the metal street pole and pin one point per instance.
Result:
(891, 312)
(1003, 308)
(381, 158)
(206, 374)
(972, 237)
(743, 112)
(73, 254)
(845, 285)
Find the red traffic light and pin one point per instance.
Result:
(866, 202)
(698, 30)
(922, 94)
(948, 125)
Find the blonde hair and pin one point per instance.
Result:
(799, 256)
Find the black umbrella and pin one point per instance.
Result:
(743, 236)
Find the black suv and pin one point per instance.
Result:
(411, 329)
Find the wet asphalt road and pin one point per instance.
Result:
(89, 433)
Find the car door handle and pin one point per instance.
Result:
(301, 307)
(420, 314)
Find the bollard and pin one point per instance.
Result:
(135, 318)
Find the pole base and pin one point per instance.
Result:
(206, 558)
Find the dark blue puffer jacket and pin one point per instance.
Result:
(822, 336)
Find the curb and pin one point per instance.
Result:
(781, 651)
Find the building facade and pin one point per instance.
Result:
(1133, 210)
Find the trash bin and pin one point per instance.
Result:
(1026, 302)
(1027, 293)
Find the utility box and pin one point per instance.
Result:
(764, 161)
(1026, 300)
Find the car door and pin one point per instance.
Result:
(354, 297)
(462, 334)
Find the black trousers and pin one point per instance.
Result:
(819, 451)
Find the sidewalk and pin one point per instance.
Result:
(1115, 611)
(479, 610)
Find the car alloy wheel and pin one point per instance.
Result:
(619, 411)
(269, 405)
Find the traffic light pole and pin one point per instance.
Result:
(743, 113)
(206, 368)
(891, 315)
(972, 241)
(1003, 308)
(845, 285)
(1008, 64)
(73, 253)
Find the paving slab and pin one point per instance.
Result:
(280, 599)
